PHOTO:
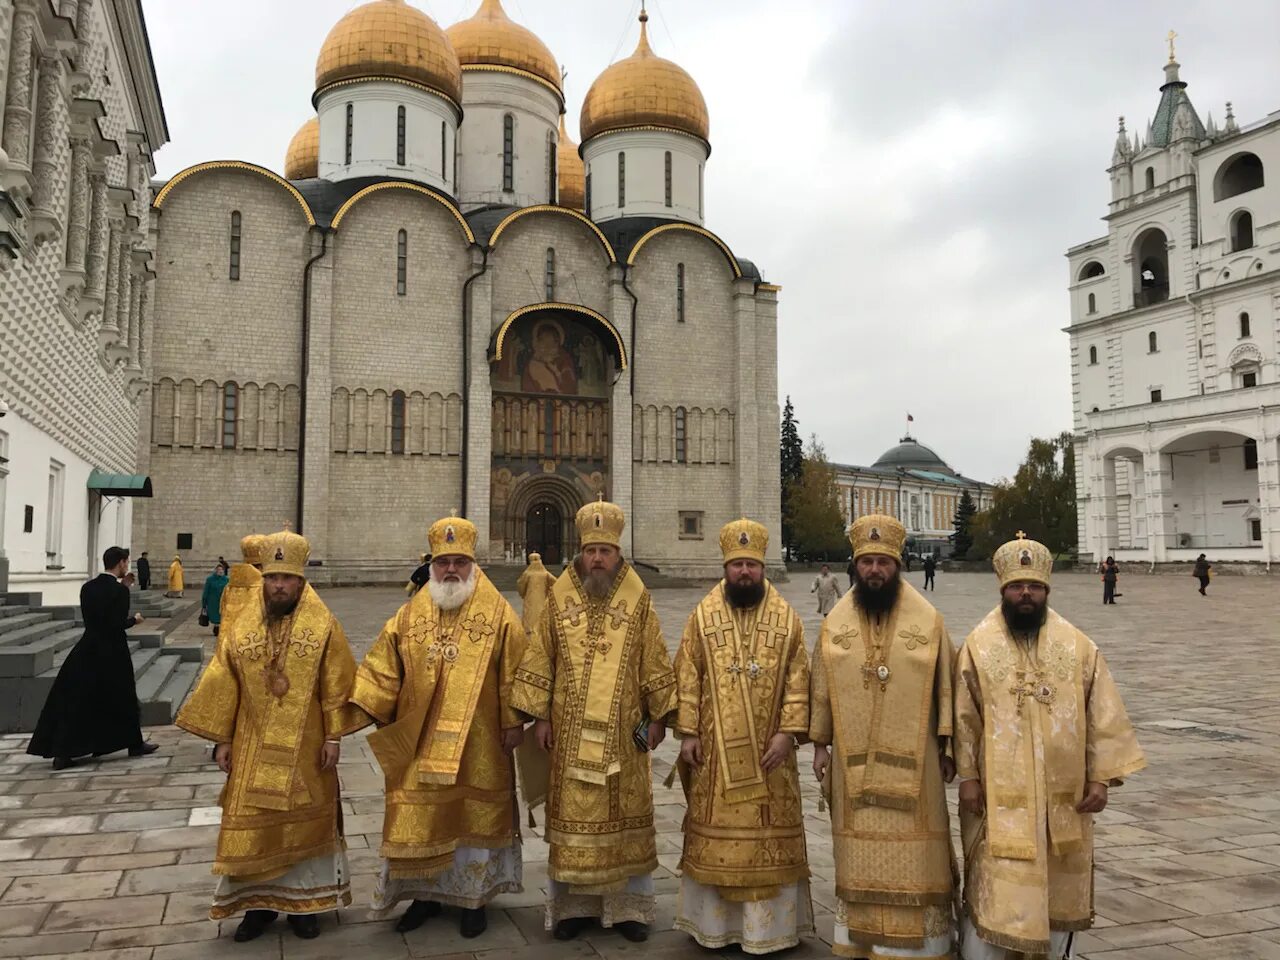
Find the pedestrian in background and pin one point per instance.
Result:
(211, 598)
(176, 585)
(1110, 576)
(930, 567)
(827, 588)
(1202, 573)
(144, 572)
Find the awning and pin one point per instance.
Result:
(120, 484)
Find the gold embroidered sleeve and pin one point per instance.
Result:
(1112, 751)
(943, 682)
(657, 676)
(210, 712)
(379, 676)
(512, 638)
(820, 722)
(337, 677)
(967, 737)
(794, 715)
(535, 676)
(689, 671)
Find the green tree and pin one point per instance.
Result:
(814, 507)
(1040, 501)
(792, 461)
(962, 539)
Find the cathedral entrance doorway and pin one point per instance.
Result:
(543, 533)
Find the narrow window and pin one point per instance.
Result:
(552, 173)
(400, 136)
(1093, 303)
(508, 152)
(1093, 356)
(235, 245)
(1244, 325)
(679, 293)
(699, 191)
(551, 274)
(682, 453)
(444, 153)
(397, 422)
(667, 162)
(1156, 396)
(402, 263)
(588, 193)
(1242, 231)
(1151, 178)
(351, 129)
(1249, 379)
(1251, 454)
(1151, 342)
(230, 401)
(622, 180)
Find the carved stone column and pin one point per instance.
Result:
(78, 215)
(44, 166)
(144, 324)
(98, 237)
(108, 332)
(119, 350)
(135, 321)
(17, 107)
(67, 9)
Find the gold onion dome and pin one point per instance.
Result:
(570, 172)
(492, 39)
(302, 160)
(389, 40)
(644, 90)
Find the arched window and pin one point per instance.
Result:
(1238, 175)
(235, 245)
(679, 293)
(667, 173)
(682, 447)
(1151, 178)
(1093, 356)
(351, 130)
(230, 408)
(1093, 303)
(402, 263)
(551, 167)
(400, 136)
(1091, 269)
(508, 152)
(1244, 324)
(397, 422)
(1251, 454)
(1152, 343)
(551, 274)
(1242, 231)
(1151, 266)
(622, 180)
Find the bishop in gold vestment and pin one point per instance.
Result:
(1041, 733)
(742, 673)
(244, 590)
(882, 701)
(438, 682)
(274, 701)
(533, 586)
(597, 677)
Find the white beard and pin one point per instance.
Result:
(450, 596)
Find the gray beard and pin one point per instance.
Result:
(598, 583)
(450, 596)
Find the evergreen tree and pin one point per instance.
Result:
(816, 518)
(792, 461)
(962, 539)
(1040, 500)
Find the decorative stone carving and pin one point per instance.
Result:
(44, 167)
(78, 215)
(135, 321)
(109, 332)
(17, 108)
(96, 254)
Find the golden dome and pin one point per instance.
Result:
(569, 172)
(389, 39)
(491, 38)
(302, 160)
(644, 90)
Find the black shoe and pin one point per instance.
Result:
(418, 913)
(633, 930)
(474, 923)
(61, 763)
(570, 928)
(142, 749)
(305, 926)
(254, 924)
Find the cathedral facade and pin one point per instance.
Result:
(445, 304)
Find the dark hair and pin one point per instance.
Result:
(112, 556)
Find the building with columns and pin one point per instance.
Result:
(445, 304)
(911, 482)
(1175, 330)
(81, 118)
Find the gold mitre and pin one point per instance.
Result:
(877, 533)
(452, 537)
(600, 522)
(1023, 559)
(743, 540)
(252, 547)
(285, 552)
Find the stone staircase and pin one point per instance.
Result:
(35, 641)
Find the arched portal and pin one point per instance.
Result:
(544, 532)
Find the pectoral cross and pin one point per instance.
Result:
(618, 614)
(1037, 688)
(572, 612)
(719, 629)
(772, 630)
(477, 628)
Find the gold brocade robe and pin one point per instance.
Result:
(597, 669)
(533, 586)
(278, 807)
(439, 684)
(1035, 724)
(243, 589)
(743, 676)
(881, 697)
(175, 577)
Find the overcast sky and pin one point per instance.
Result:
(911, 172)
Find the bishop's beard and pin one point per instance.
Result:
(1020, 622)
(596, 584)
(875, 601)
(743, 596)
(452, 595)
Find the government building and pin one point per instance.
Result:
(444, 303)
(1175, 321)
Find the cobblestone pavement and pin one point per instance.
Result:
(111, 859)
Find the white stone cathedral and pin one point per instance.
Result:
(446, 304)
(1175, 329)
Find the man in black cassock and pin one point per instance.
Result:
(93, 705)
(144, 572)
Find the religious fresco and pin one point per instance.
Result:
(554, 355)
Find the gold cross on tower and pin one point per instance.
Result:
(772, 630)
(719, 628)
(1172, 37)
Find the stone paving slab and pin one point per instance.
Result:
(111, 859)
